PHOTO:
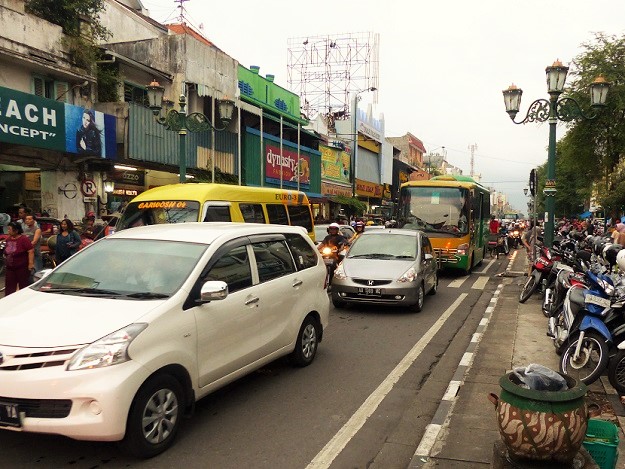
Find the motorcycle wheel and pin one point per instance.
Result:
(616, 372)
(593, 358)
(529, 288)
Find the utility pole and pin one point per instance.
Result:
(473, 149)
(181, 6)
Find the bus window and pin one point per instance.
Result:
(217, 213)
(277, 214)
(300, 216)
(252, 213)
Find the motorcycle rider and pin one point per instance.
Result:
(334, 238)
(360, 229)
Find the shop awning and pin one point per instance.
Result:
(585, 215)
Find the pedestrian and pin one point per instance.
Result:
(21, 214)
(33, 231)
(19, 259)
(620, 228)
(67, 241)
(528, 238)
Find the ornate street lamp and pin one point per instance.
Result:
(180, 121)
(552, 110)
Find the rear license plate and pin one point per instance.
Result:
(328, 261)
(597, 300)
(370, 291)
(9, 415)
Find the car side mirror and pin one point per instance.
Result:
(428, 257)
(213, 290)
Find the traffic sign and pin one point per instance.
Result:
(88, 188)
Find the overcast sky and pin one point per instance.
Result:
(443, 63)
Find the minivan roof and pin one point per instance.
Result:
(205, 233)
(207, 191)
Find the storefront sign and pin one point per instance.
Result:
(419, 175)
(368, 189)
(26, 119)
(127, 192)
(286, 167)
(133, 178)
(367, 125)
(335, 164)
(334, 189)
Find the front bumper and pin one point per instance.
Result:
(83, 405)
(392, 293)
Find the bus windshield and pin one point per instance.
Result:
(435, 210)
(157, 212)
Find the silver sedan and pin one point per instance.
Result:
(390, 266)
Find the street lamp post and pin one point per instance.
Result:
(552, 110)
(355, 130)
(181, 122)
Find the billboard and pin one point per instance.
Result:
(335, 164)
(30, 120)
(286, 167)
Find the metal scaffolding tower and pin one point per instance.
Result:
(325, 70)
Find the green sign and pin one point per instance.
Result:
(26, 119)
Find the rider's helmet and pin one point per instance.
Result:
(611, 252)
(359, 226)
(620, 260)
(333, 226)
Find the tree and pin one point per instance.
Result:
(590, 153)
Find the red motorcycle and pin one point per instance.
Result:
(541, 268)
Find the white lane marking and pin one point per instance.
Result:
(456, 283)
(480, 283)
(490, 263)
(476, 337)
(452, 390)
(333, 448)
(428, 440)
(483, 322)
(467, 359)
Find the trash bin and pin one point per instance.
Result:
(602, 443)
(541, 425)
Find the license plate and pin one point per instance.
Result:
(9, 415)
(328, 261)
(370, 291)
(597, 300)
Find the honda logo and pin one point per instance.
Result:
(370, 282)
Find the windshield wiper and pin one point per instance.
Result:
(146, 295)
(87, 290)
(372, 256)
(404, 257)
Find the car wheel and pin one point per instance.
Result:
(418, 306)
(154, 417)
(307, 342)
(435, 287)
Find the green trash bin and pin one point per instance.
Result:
(602, 442)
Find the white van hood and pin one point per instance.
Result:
(30, 318)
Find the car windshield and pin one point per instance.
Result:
(384, 246)
(435, 210)
(125, 268)
(159, 212)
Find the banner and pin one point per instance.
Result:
(335, 164)
(30, 120)
(369, 189)
(286, 168)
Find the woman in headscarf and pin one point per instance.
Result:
(616, 234)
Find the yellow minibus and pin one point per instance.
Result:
(180, 203)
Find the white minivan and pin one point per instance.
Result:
(120, 340)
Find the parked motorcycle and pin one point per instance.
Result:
(541, 268)
(593, 322)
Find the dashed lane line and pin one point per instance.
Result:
(334, 447)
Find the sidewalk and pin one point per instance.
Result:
(515, 336)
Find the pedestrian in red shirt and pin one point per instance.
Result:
(494, 225)
(19, 259)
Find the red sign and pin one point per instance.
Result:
(286, 167)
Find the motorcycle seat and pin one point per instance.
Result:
(577, 300)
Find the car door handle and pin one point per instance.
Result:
(250, 301)
(297, 283)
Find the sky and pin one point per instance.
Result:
(442, 66)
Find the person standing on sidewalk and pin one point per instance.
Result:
(20, 259)
(529, 240)
(32, 230)
(67, 241)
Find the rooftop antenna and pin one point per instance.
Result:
(181, 7)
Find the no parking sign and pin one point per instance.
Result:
(88, 188)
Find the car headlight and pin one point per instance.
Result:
(408, 276)
(109, 350)
(339, 272)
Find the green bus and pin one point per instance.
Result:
(454, 211)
